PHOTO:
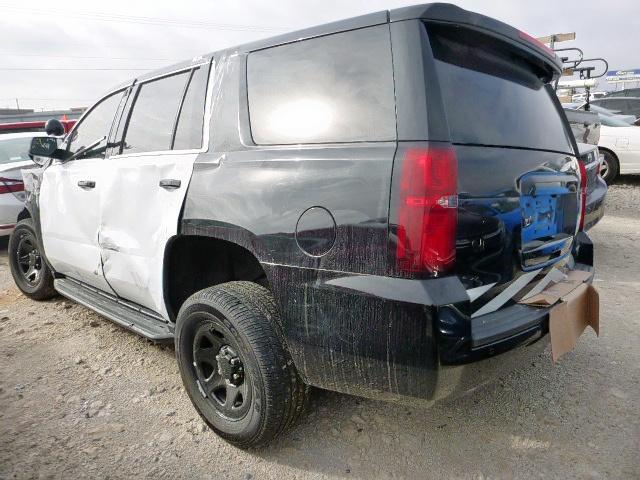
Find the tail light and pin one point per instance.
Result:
(583, 193)
(9, 185)
(427, 211)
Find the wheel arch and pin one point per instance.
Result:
(608, 150)
(616, 159)
(24, 213)
(194, 261)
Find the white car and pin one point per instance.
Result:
(14, 156)
(620, 146)
(581, 97)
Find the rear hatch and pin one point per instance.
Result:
(518, 178)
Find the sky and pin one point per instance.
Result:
(66, 54)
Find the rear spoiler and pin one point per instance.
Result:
(447, 13)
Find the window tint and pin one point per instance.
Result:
(493, 96)
(337, 88)
(94, 127)
(154, 113)
(189, 130)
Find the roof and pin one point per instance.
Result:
(445, 12)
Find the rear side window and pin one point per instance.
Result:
(189, 130)
(337, 88)
(154, 112)
(492, 96)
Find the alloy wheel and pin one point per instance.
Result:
(29, 259)
(220, 373)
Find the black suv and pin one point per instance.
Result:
(352, 207)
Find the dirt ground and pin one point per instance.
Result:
(83, 398)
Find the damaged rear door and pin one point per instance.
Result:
(146, 182)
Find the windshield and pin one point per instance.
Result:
(14, 150)
(608, 121)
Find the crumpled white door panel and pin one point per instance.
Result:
(138, 217)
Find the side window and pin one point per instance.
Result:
(189, 129)
(154, 113)
(94, 129)
(337, 88)
(615, 103)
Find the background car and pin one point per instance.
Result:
(35, 126)
(14, 156)
(596, 187)
(630, 119)
(627, 92)
(620, 146)
(581, 97)
(620, 105)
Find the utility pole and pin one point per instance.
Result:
(17, 104)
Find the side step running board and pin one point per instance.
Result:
(129, 316)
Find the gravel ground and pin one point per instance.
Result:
(83, 398)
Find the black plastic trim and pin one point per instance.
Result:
(135, 318)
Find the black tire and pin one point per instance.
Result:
(239, 321)
(30, 272)
(610, 167)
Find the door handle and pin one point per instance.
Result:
(170, 183)
(86, 184)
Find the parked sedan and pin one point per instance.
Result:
(620, 146)
(14, 156)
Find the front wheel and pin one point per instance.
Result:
(235, 366)
(30, 272)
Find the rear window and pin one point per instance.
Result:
(492, 96)
(337, 88)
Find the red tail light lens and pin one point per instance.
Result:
(8, 185)
(428, 211)
(583, 193)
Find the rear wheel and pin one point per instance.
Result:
(234, 364)
(30, 272)
(610, 168)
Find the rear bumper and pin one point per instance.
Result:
(10, 208)
(405, 340)
(464, 339)
(495, 343)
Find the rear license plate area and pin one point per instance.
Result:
(549, 207)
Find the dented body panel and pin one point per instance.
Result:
(133, 240)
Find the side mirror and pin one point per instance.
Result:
(54, 127)
(43, 147)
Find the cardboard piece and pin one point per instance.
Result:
(575, 305)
